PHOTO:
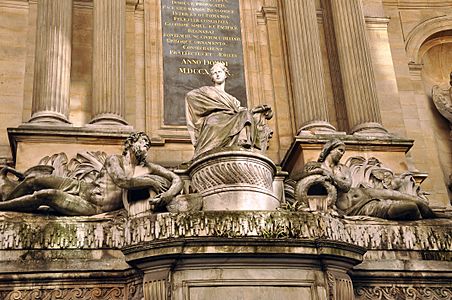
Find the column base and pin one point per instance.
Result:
(317, 127)
(108, 119)
(370, 129)
(48, 118)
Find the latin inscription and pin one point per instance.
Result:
(195, 35)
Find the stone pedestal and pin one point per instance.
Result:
(29, 144)
(235, 180)
(241, 255)
(390, 150)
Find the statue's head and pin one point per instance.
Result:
(139, 143)
(219, 72)
(333, 147)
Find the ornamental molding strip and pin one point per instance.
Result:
(75, 293)
(409, 292)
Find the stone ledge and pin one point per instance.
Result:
(245, 247)
(67, 135)
(115, 231)
(27, 231)
(234, 224)
(378, 234)
(46, 133)
(390, 150)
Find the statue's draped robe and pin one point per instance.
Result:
(367, 205)
(215, 119)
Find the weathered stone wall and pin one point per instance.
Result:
(13, 57)
(114, 231)
(83, 256)
(419, 62)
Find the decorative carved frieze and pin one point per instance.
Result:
(73, 293)
(395, 292)
(233, 172)
(234, 224)
(420, 235)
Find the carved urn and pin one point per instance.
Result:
(234, 180)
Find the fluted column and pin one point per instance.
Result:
(306, 69)
(109, 62)
(356, 67)
(52, 71)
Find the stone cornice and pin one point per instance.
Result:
(92, 134)
(115, 231)
(377, 22)
(132, 5)
(409, 4)
(352, 142)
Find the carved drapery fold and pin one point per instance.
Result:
(306, 66)
(50, 102)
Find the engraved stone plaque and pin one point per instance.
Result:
(195, 35)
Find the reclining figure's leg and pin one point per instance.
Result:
(60, 201)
